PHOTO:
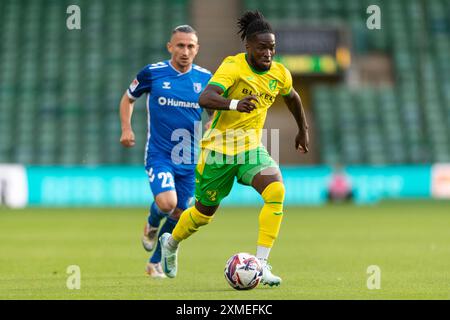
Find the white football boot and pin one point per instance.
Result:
(168, 256)
(149, 237)
(268, 277)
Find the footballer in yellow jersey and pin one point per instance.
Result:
(238, 79)
(240, 92)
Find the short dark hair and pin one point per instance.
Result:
(184, 28)
(252, 23)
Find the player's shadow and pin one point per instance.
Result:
(233, 290)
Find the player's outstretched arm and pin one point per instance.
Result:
(211, 98)
(294, 103)
(126, 111)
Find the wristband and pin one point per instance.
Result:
(233, 104)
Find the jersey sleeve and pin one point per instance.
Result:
(226, 75)
(287, 87)
(142, 83)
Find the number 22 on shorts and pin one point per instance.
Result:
(167, 180)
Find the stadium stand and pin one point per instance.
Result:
(60, 89)
(404, 123)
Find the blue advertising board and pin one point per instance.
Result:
(305, 185)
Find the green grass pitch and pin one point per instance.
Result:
(321, 253)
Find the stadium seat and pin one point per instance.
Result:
(69, 80)
(407, 123)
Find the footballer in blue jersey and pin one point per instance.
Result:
(172, 90)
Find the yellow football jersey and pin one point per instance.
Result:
(231, 131)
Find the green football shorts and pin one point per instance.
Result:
(215, 172)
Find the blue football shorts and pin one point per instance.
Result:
(165, 176)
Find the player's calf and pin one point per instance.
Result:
(271, 214)
(189, 223)
(154, 219)
(269, 227)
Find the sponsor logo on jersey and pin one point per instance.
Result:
(163, 101)
(166, 85)
(262, 95)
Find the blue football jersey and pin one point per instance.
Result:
(174, 112)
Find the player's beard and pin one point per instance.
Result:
(260, 67)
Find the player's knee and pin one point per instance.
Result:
(166, 204)
(274, 193)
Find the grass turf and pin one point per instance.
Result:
(321, 253)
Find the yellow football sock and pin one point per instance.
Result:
(271, 214)
(190, 220)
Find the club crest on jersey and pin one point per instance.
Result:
(197, 87)
(166, 85)
(134, 84)
(273, 84)
(212, 195)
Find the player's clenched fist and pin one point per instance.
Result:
(127, 138)
(246, 105)
(302, 141)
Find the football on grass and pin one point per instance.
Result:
(243, 271)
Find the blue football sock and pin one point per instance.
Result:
(167, 227)
(156, 215)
